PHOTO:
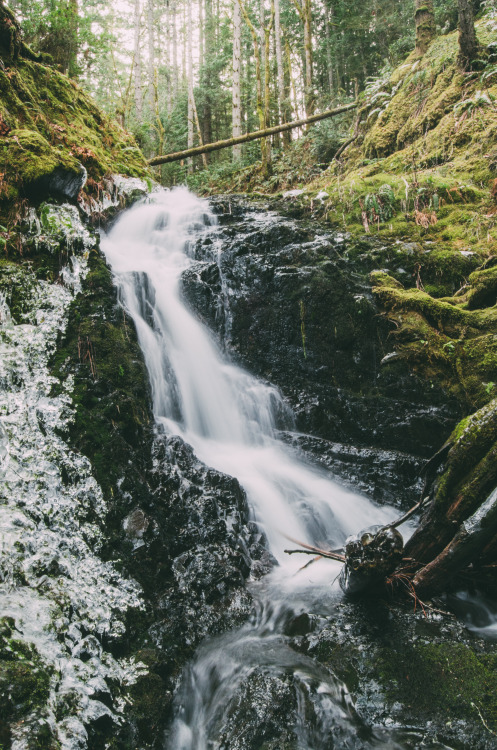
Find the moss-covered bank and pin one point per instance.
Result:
(52, 135)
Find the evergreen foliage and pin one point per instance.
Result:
(144, 84)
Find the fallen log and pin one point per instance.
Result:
(218, 145)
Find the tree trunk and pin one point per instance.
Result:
(189, 32)
(329, 63)
(425, 25)
(280, 73)
(73, 23)
(209, 46)
(237, 92)
(304, 9)
(151, 56)
(175, 65)
(200, 33)
(168, 61)
(309, 92)
(465, 547)
(138, 66)
(290, 85)
(468, 43)
(267, 90)
(460, 524)
(183, 39)
(230, 142)
(258, 82)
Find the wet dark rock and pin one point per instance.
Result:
(370, 556)
(293, 304)
(136, 524)
(60, 183)
(371, 471)
(301, 624)
(418, 674)
(258, 715)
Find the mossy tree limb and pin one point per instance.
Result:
(469, 476)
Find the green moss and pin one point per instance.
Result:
(482, 288)
(26, 157)
(468, 478)
(150, 699)
(474, 439)
(110, 395)
(24, 677)
(55, 124)
(450, 339)
(17, 284)
(443, 680)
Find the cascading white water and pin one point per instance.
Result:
(228, 418)
(223, 412)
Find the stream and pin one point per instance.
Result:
(169, 426)
(232, 421)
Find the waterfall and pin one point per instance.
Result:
(228, 417)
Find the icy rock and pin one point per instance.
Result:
(4, 449)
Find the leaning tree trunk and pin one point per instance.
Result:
(425, 25)
(468, 43)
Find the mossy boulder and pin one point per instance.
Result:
(37, 169)
(53, 132)
(450, 339)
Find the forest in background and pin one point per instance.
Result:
(178, 73)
